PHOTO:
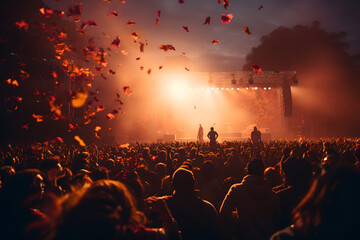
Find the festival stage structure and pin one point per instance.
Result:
(260, 85)
(232, 102)
(249, 80)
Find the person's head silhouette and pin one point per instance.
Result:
(212, 129)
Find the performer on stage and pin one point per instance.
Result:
(200, 135)
(212, 135)
(255, 136)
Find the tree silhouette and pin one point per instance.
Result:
(326, 98)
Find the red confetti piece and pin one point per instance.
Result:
(116, 42)
(158, 12)
(226, 18)
(135, 36)
(92, 23)
(215, 41)
(149, 71)
(38, 118)
(256, 68)
(22, 25)
(261, 7)
(166, 47)
(114, 13)
(130, 23)
(157, 21)
(80, 141)
(46, 12)
(160, 67)
(247, 30)
(207, 21)
(54, 74)
(126, 90)
(187, 69)
(110, 116)
(111, 72)
(186, 28)
(100, 108)
(181, 1)
(72, 126)
(226, 4)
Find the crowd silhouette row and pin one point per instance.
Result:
(305, 189)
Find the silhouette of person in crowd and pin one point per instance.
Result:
(196, 217)
(200, 135)
(256, 205)
(255, 136)
(330, 210)
(212, 135)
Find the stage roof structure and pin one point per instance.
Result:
(244, 79)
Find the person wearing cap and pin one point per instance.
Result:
(196, 218)
(250, 210)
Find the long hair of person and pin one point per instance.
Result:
(101, 210)
(331, 208)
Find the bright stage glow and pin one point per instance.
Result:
(256, 88)
(269, 88)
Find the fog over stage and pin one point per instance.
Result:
(232, 102)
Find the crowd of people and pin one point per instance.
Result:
(303, 189)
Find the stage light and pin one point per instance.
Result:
(202, 88)
(227, 89)
(238, 89)
(269, 88)
(212, 88)
(217, 88)
(256, 88)
(264, 88)
(222, 88)
(247, 88)
(232, 88)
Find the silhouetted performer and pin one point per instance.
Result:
(255, 136)
(212, 135)
(200, 135)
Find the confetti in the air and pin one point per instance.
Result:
(22, 25)
(247, 30)
(207, 21)
(226, 18)
(256, 68)
(80, 141)
(166, 47)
